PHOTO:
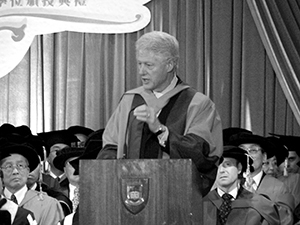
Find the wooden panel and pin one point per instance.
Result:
(173, 192)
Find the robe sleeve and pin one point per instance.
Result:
(202, 140)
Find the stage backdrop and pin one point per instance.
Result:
(70, 77)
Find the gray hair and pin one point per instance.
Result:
(160, 43)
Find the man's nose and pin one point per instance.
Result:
(221, 169)
(141, 69)
(15, 170)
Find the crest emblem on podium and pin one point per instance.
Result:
(135, 193)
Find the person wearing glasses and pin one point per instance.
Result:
(10, 213)
(260, 149)
(16, 162)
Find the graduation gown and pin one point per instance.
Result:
(58, 194)
(247, 209)
(292, 182)
(279, 194)
(194, 125)
(46, 212)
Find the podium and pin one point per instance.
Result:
(139, 191)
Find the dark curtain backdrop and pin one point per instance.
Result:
(73, 78)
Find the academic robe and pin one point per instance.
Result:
(292, 182)
(59, 195)
(247, 209)
(10, 213)
(279, 194)
(46, 212)
(194, 125)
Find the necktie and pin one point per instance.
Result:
(225, 208)
(14, 199)
(250, 184)
(75, 200)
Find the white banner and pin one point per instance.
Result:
(21, 20)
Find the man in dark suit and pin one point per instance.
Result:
(230, 203)
(70, 186)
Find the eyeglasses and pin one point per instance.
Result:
(251, 151)
(9, 168)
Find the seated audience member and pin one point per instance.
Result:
(17, 161)
(291, 142)
(70, 186)
(35, 180)
(91, 150)
(272, 167)
(260, 149)
(10, 213)
(230, 203)
(81, 133)
(54, 142)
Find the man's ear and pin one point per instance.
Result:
(239, 167)
(264, 157)
(170, 65)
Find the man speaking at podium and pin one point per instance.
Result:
(165, 117)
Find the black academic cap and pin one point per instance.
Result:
(37, 144)
(57, 137)
(23, 130)
(65, 154)
(245, 138)
(281, 151)
(6, 129)
(230, 131)
(230, 151)
(80, 130)
(22, 149)
(291, 142)
(93, 145)
(15, 138)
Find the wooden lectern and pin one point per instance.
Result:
(139, 191)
